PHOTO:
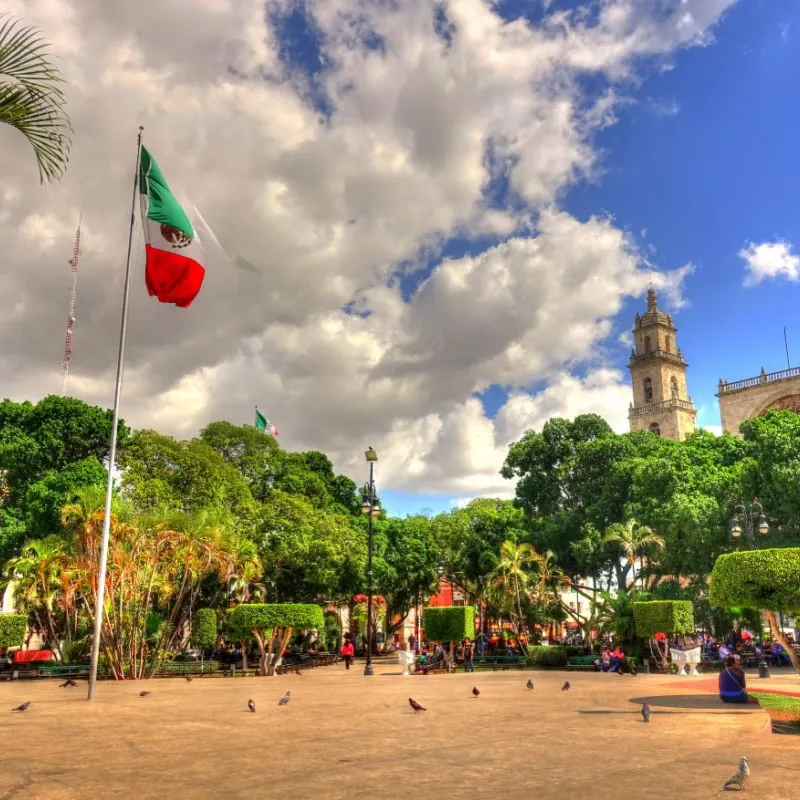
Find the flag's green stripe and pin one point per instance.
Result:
(162, 206)
(261, 421)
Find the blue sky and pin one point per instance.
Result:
(705, 161)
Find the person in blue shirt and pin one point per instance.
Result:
(732, 683)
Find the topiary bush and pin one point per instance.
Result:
(663, 616)
(271, 625)
(449, 624)
(554, 656)
(204, 628)
(13, 628)
(766, 580)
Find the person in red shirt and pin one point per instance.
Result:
(348, 651)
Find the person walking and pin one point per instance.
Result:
(468, 665)
(348, 651)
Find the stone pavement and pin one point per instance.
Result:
(347, 736)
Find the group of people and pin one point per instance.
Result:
(611, 660)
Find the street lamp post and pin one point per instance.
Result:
(749, 513)
(369, 506)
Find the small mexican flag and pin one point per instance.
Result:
(174, 272)
(263, 424)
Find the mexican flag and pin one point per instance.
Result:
(174, 271)
(263, 424)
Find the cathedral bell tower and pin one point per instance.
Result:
(661, 403)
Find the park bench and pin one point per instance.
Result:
(582, 663)
(180, 669)
(499, 662)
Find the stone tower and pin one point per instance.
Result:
(661, 403)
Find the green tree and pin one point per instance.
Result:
(405, 565)
(47, 450)
(511, 576)
(308, 553)
(160, 472)
(32, 98)
(633, 541)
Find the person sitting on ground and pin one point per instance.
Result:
(732, 683)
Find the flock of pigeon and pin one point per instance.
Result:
(737, 780)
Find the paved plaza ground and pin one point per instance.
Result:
(347, 736)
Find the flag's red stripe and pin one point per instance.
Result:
(172, 277)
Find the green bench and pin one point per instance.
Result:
(582, 662)
(498, 662)
(165, 670)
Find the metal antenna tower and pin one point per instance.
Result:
(76, 253)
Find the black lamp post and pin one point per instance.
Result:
(754, 520)
(749, 513)
(369, 506)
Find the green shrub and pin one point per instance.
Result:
(664, 616)
(555, 656)
(266, 616)
(449, 623)
(204, 628)
(13, 628)
(761, 579)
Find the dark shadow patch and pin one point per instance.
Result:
(698, 702)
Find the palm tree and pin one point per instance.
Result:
(511, 575)
(31, 98)
(634, 541)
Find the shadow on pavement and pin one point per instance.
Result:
(699, 702)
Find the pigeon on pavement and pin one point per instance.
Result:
(188, 678)
(252, 706)
(565, 687)
(475, 691)
(739, 777)
(415, 705)
(22, 707)
(646, 713)
(285, 699)
(529, 684)
(68, 682)
(143, 694)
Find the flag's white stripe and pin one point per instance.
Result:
(154, 237)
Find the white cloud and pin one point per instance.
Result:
(769, 260)
(715, 429)
(326, 203)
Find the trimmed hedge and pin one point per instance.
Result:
(555, 656)
(266, 616)
(759, 579)
(13, 628)
(204, 628)
(664, 616)
(449, 623)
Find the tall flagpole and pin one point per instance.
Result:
(112, 450)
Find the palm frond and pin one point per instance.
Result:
(31, 96)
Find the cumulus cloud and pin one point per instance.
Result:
(340, 184)
(769, 260)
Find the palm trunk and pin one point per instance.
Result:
(778, 634)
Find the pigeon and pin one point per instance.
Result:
(22, 707)
(565, 687)
(285, 699)
(415, 705)
(188, 678)
(529, 684)
(68, 682)
(646, 713)
(475, 691)
(297, 672)
(143, 694)
(740, 776)
(252, 706)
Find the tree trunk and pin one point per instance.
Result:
(778, 634)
